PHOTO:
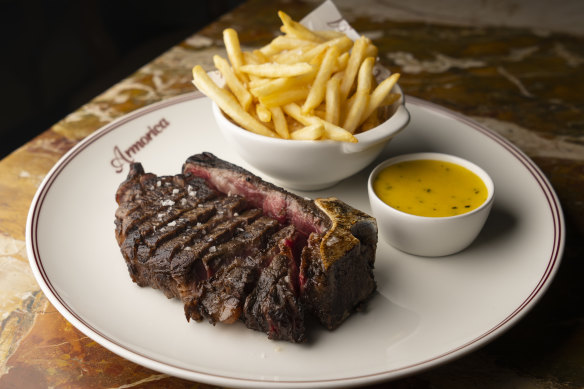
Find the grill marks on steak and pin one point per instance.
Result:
(273, 306)
(233, 247)
(204, 247)
(223, 297)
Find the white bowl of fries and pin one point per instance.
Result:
(311, 164)
(307, 109)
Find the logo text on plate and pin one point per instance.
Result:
(126, 155)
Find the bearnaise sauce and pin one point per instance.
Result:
(430, 188)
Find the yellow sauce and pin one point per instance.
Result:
(430, 188)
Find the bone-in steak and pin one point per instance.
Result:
(233, 247)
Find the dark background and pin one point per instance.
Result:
(57, 55)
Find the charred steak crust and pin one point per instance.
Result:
(233, 247)
(337, 268)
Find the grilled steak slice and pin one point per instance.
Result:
(257, 287)
(233, 247)
(165, 237)
(273, 306)
(232, 283)
(336, 268)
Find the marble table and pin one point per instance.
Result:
(499, 64)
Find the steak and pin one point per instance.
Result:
(233, 247)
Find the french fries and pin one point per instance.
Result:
(275, 70)
(318, 88)
(303, 85)
(231, 40)
(235, 85)
(361, 99)
(333, 99)
(297, 30)
(228, 103)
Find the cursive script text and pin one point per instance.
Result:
(126, 156)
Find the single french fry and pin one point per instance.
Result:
(329, 34)
(280, 122)
(355, 59)
(359, 105)
(285, 97)
(354, 115)
(296, 29)
(371, 50)
(337, 133)
(293, 110)
(365, 76)
(263, 113)
(380, 93)
(228, 103)
(265, 87)
(255, 113)
(318, 88)
(333, 99)
(310, 132)
(231, 41)
(275, 70)
(283, 42)
(234, 84)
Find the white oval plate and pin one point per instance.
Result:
(426, 311)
